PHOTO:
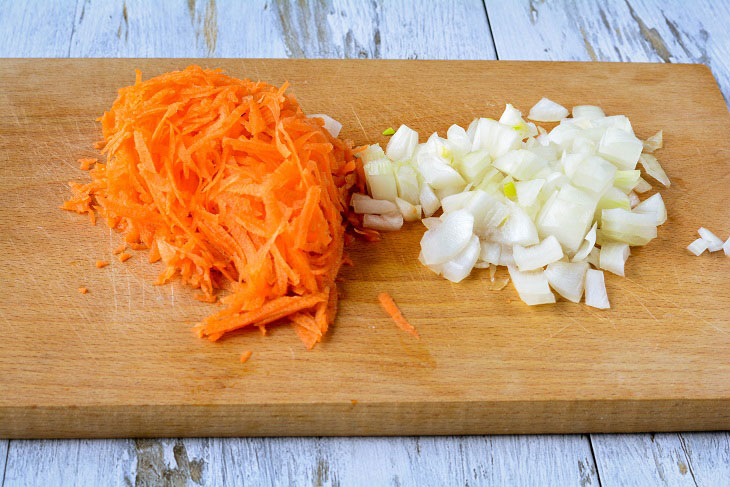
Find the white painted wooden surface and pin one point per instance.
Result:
(638, 30)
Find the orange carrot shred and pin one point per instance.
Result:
(122, 247)
(245, 356)
(86, 163)
(392, 309)
(124, 257)
(83, 290)
(231, 186)
(101, 263)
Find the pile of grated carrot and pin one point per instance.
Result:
(231, 186)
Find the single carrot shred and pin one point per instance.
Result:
(230, 185)
(86, 163)
(245, 356)
(122, 247)
(124, 257)
(101, 263)
(83, 290)
(392, 309)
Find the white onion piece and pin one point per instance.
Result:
(495, 138)
(714, 243)
(402, 144)
(431, 222)
(626, 180)
(362, 203)
(612, 198)
(513, 117)
(520, 164)
(537, 256)
(594, 174)
(567, 278)
(726, 247)
(620, 147)
(381, 180)
(594, 257)
(409, 211)
(460, 266)
(596, 295)
(456, 201)
(654, 142)
(445, 241)
(613, 256)
(406, 181)
(654, 169)
(588, 112)
(471, 129)
(429, 202)
(490, 252)
(373, 152)
(330, 124)
(506, 256)
(447, 191)
(458, 141)
(568, 215)
(474, 165)
(627, 227)
(547, 110)
(634, 199)
(588, 243)
(384, 223)
(654, 205)
(518, 229)
(437, 173)
(698, 246)
(488, 212)
(528, 191)
(532, 286)
(642, 186)
(614, 121)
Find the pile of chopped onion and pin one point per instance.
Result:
(547, 205)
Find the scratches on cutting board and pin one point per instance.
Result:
(364, 132)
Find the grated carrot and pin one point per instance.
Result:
(122, 247)
(101, 263)
(392, 309)
(231, 186)
(245, 356)
(86, 163)
(83, 290)
(124, 257)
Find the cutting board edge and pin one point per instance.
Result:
(367, 419)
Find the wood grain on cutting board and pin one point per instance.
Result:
(122, 361)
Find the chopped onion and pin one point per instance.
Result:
(654, 169)
(528, 191)
(380, 179)
(362, 203)
(330, 124)
(429, 202)
(620, 147)
(460, 266)
(626, 180)
(409, 211)
(438, 174)
(406, 181)
(714, 243)
(488, 211)
(458, 141)
(594, 174)
(384, 223)
(456, 201)
(596, 295)
(567, 216)
(589, 112)
(698, 246)
(520, 164)
(538, 256)
(594, 257)
(726, 247)
(506, 257)
(567, 278)
(474, 166)
(402, 144)
(614, 121)
(372, 152)
(490, 252)
(613, 198)
(588, 244)
(654, 142)
(532, 286)
(431, 222)
(654, 205)
(631, 228)
(613, 256)
(445, 241)
(519, 229)
(513, 117)
(642, 186)
(634, 199)
(495, 138)
(547, 111)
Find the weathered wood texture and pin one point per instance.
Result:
(35, 28)
(595, 30)
(550, 369)
(3, 459)
(709, 457)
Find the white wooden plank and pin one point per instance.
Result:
(638, 30)
(709, 457)
(70, 462)
(3, 459)
(35, 28)
(643, 459)
(404, 461)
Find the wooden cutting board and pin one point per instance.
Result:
(122, 360)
